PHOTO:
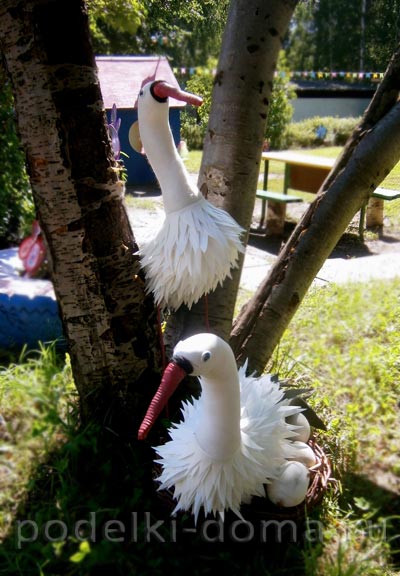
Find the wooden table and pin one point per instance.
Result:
(307, 173)
(302, 172)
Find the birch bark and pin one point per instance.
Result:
(109, 322)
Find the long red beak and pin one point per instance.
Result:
(164, 90)
(173, 375)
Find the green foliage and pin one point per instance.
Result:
(326, 35)
(113, 23)
(16, 204)
(194, 120)
(305, 134)
(382, 32)
(187, 32)
(281, 110)
(300, 47)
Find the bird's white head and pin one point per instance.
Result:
(204, 355)
(153, 97)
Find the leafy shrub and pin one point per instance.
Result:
(16, 204)
(194, 120)
(280, 111)
(306, 134)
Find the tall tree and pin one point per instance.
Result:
(382, 32)
(370, 154)
(235, 135)
(114, 24)
(299, 43)
(187, 32)
(326, 35)
(109, 321)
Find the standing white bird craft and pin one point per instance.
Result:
(234, 440)
(198, 243)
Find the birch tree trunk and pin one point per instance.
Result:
(371, 153)
(235, 135)
(109, 322)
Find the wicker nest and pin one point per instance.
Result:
(263, 508)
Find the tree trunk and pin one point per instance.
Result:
(233, 144)
(109, 322)
(371, 153)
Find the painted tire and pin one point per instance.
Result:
(29, 312)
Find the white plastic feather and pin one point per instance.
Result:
(231, 441)
(198, 243)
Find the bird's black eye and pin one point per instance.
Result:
(206, 356)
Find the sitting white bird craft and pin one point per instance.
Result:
(198, 243)
(234, 440)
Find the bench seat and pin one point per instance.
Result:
(382, 194)
(277, 208)
(386, 194)
(277, 196)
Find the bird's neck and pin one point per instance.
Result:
(218, 432)
(177, 189)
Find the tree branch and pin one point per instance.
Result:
(370, 154)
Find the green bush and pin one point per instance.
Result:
(280, 111)
(305, 134)
(194, 120)
(16, 204)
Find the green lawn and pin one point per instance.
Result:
(344, 343)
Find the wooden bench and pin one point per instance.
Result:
(276, 207)
(373, 210)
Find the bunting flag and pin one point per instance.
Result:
(309, 74)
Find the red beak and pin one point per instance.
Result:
(164, 90)
(173, 375)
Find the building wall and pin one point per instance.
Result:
(325, 106)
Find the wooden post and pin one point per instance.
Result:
(276, 216)
(374, 213)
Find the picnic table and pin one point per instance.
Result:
(305, 173)
(302, 172)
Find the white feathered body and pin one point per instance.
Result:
(201, 478)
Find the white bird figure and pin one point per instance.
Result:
(198, 243)
(232, 441)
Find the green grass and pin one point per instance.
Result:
(344, 342)
(193, 161)
(141, 203)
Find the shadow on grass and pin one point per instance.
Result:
(92, 509)
(386, 503)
